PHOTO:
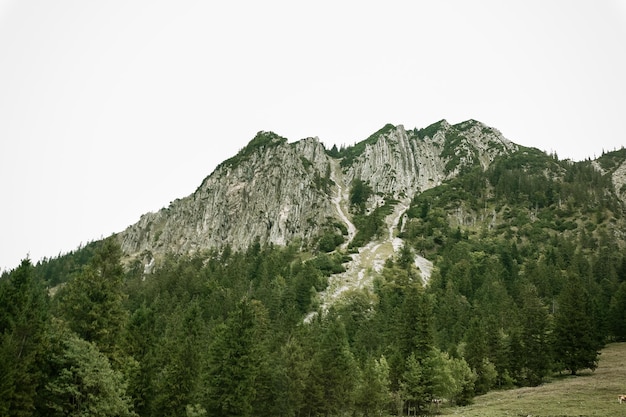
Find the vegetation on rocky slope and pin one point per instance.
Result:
(529, 282)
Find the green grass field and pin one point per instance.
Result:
(588, 394)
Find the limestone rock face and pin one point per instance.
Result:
(402, 163)
(619, 181)
(275, 194)
(280, 192)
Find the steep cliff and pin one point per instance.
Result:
(278, 192)
(271, 191)
(399, 163)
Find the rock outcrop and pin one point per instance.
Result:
(274, 192)
(278, 192)
(402, 163)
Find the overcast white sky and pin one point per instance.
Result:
(110, 109)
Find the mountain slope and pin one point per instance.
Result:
(278, 192)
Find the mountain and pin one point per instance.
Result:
(278, 192)
(416, 265)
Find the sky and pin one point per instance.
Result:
(112, 109)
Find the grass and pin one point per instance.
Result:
(589, 394)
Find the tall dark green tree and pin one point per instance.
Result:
(333, 371)
(373, 395)
(292, 373)
(475, 352)
(415, 329)
(237, 359)
(617, 313)
(413, 391)
(451, 317)
(576, 344)
(93, 302)
(23, 323)
(180, 359)
(359, 193)
(532, 348)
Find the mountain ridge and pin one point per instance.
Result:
(278, 192)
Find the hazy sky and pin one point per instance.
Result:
(110, 109)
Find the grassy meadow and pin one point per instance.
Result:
(588, 394)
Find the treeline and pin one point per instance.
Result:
(223, 334)
(219, 334)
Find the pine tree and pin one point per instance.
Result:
(475, 352)
(92, 303)
(415, 331)
(533, 347)
(292, 372)
(413, 389)
(331, 383)
(617, 313)
(180, 356)
(23, 323)
(575, 340)
(373, 395)
(236, 359)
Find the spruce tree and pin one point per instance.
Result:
(333, 372)
(575, 341)
(180, 358)
(617, 313)
(533, 347)
(23, 323)
(372, 394)
(93, 302)
(292, 372)
(236, 359)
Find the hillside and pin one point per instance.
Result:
(590, 394)
(437, 263)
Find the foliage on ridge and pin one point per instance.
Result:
(261, 141)
(351, 153)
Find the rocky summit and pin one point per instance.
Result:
(276, 192)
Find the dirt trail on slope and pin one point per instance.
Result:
(370, 259)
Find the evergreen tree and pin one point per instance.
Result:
(415, 331)
(617, 313)
(23, 322)
(81, 381)
(236, 359)
(141, 343)
(333, 371)
(575, 341)
(291, 378)
(533, 347)
(415, 393)
(373, 395)
(451, 314)
(93, 301)
(180, 357)
(475, 351)
(359, 193)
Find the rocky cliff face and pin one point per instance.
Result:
(402, 163)
(272, 191)
(278, 192)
